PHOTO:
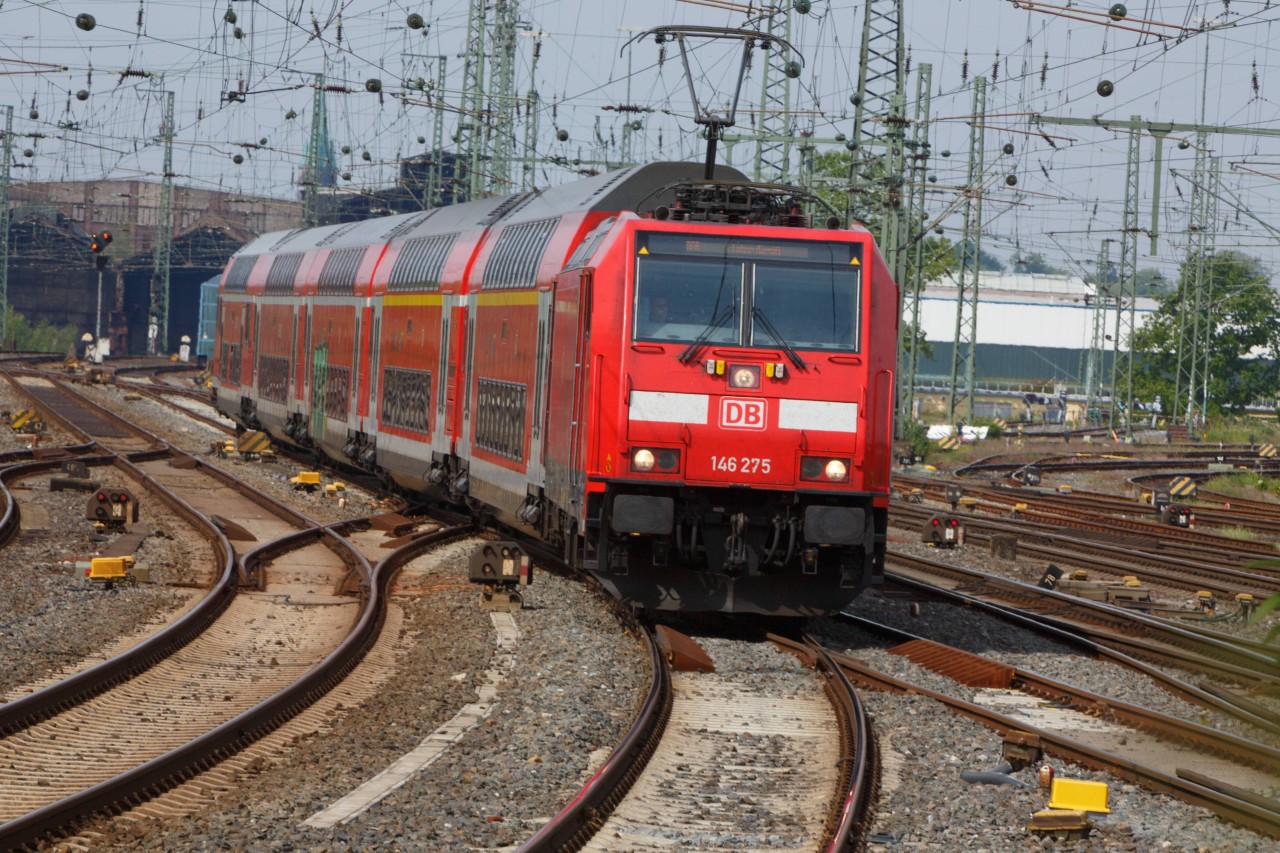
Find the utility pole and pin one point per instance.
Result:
(773, 121)
(1126, 296)
(164, 240)
(908, 355)
(962, 355)
(502, 109)
(1102, 298)
(435, 172)
(528, 175)
(4, 227)
(880, 77)
(469, 137)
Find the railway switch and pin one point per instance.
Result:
(943, 531)
(112, 507)
(1031, 477)
(1206, 601)
(1247, 604)
(501, 567)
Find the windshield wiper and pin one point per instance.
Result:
(783, 345)
(692, 349)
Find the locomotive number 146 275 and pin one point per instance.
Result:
(741, 464)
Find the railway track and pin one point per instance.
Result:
(215, 680)
(1229, 658)
(1040, 541)
(1149, 749)
(719, 761)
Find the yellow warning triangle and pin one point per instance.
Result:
(855, 262)
(644, 250)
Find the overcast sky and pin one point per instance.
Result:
(1068, 196)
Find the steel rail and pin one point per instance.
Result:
(1154, 566)
(1197, 694)
(857, 781)
(1251, 815)
(30, 709)
(182, 763)
(1219, 655)
(579, 820)
(1243, 750)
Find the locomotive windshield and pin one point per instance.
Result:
(747, 292)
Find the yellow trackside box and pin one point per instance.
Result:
(309, 480)
(109, 568)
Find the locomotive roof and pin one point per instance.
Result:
(626, 189)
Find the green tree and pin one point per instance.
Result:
(42, 337)
(1242, 336)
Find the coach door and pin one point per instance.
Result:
(319, 384)
(581, 389)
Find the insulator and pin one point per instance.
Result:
(238, 159)
(964, 66)
(1008, 148)
(1105, 88)
(995, 69)
(82, 95)
(415, 21)
(373, 84)
(1044, 69)
(86, 22)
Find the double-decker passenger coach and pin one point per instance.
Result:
(676, 380)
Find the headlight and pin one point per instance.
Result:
(642, 460)
(824, 469)
(661, 460)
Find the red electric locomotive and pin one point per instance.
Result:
(676, 380)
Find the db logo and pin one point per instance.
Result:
(743, 414)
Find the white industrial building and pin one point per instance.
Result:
(1031, 329)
